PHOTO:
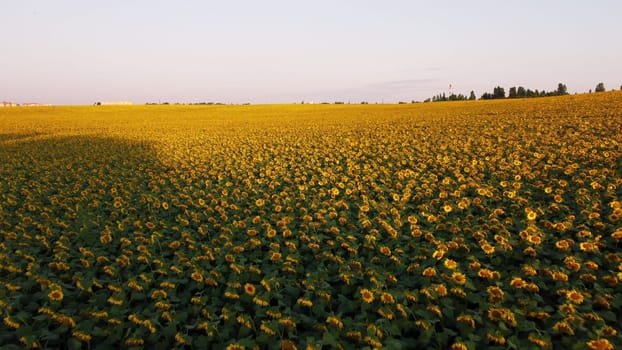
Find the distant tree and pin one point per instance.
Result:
(513, 92)
(472, 95)
(620, 87)
(562, 89)
(521, 92)
(600, 87)
(486, 96)
(498, 92)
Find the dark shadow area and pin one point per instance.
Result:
(17, 136)
(56, 197)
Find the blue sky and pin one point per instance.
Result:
(79, 52)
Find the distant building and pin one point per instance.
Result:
(8, 104)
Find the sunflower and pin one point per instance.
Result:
(82, 336)
(429, 272)
(438, 254)
(467, 320)
(56, 295)
(450, 264)
(385, 250)
(10, 323)
(304, 302)
(588, 247)
(487, 248)
(266, 329)
(260, 302)
(600, 344)
(531, 215)
(539, 342)
(559, 276)
(495, 294)
(562, 244)
(158, 293)
(249, 289)
(114, 301)
(574, 296)
(335, 322)
(441, 290)
(459, 278)
(271, 233)
(518, 282)
(134, 342)
(563, 327)
(387, 298)
(459, 346)
(197, 276)
(367, 295)
(533, 239)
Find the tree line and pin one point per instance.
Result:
(514, 92)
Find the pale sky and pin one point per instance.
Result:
(79, 51)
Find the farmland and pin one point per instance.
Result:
(485, 224)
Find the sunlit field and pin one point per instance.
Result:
(462, 225)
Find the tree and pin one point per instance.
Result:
(600, 87)
(521, 92)
(472, 95)
(513, 93)
(486, 96)
(562, 89)
(498, 92)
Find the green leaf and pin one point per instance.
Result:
(201, 342)
(97, 332)
(608, 316)
(392, 343)
(74, 344)
(329, 339)
(247, 342)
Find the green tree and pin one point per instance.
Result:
(600, 87)
(472, 95)
(513, 92)
(498, 92)
(521, 92)
(562, 89)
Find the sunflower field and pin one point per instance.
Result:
(462, 225)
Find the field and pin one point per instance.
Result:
(464, 225)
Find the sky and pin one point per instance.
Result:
(273, 51)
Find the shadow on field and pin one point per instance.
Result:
(66, 190)
(12, 137)
(75, 179)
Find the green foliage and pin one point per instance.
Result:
(600, 87)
